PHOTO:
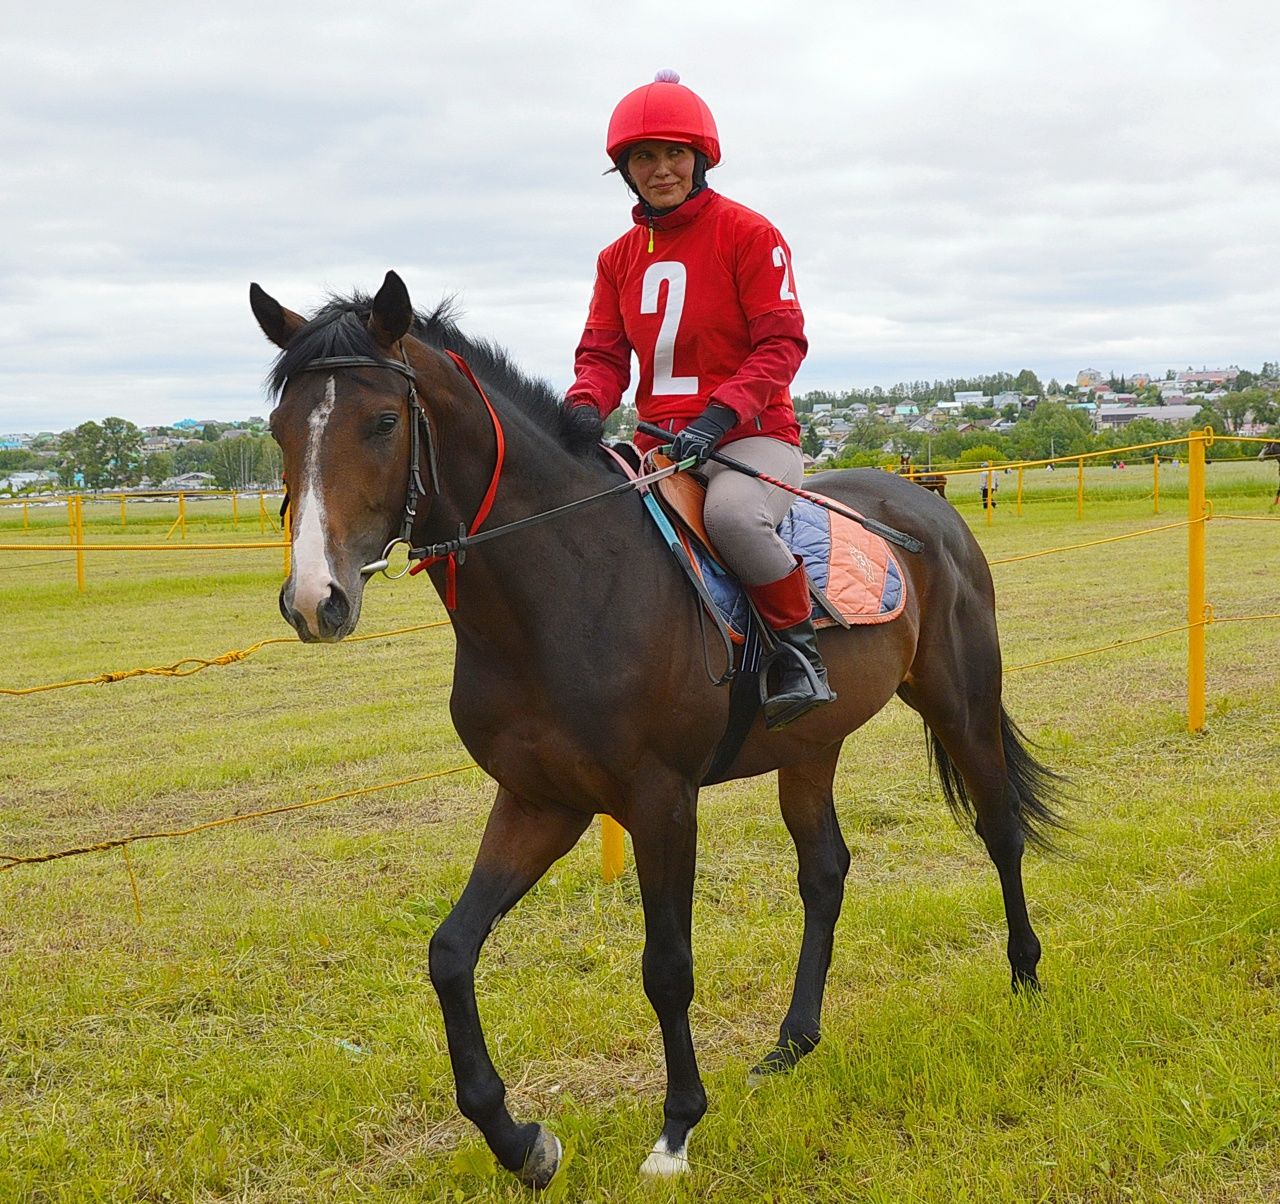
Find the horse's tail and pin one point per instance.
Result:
(1038, 791)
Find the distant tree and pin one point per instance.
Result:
(1236, 406)
(211, 432)
(811, 444)
(249, 462)
(621, 424)
(1053, 389)
(15, 459)
(1028, 382)
(158, 467)
(193, 457)
(867, 432)
(981, 453)
(79, 458)
(121, 453)
(1053, 429)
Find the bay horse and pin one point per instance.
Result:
(580, 682)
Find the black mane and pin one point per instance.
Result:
(339, 328)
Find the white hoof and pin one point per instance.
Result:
(662, 1163)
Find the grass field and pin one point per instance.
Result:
(268, 1033)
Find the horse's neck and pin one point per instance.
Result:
(522, 586)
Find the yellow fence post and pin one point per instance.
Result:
(122, 516)
(71, 524)
(182, 514)
(1080, 488)
(1195, 578)
(235, 510)
(26, 524)
(612, 854)
(1020, 467)
(262, 513)
(1155, 482)
(80, 543)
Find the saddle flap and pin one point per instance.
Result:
(684, 495)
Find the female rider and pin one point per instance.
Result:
(701, 289)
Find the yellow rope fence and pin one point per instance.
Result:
(1209, 621)
(122, 842)
(193, 664)
(1093, 543)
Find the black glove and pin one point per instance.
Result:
(699, 439)
(580, 423)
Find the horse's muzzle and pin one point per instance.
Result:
(333, 617)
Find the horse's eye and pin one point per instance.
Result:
(386, 423)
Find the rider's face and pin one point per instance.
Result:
(662, 172)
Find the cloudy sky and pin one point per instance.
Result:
(966, 187)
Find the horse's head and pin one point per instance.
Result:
(344, 424)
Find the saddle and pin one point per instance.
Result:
(854, 576)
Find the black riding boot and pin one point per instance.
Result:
(798, 675)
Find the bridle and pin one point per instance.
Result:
(453, 551)
(419, 435)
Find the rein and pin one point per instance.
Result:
(454, 551)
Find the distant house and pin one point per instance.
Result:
(20, 480)
(1111, 416)
(974, 398)
(1222, 377)
(1086, 378)
(190, 480)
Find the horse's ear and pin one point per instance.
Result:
(278, 324)
(392, 313)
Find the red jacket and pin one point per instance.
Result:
(711, 313)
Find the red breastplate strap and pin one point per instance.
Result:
(486, 503)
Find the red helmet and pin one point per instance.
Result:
(665, 110)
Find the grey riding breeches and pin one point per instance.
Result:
(742, 513)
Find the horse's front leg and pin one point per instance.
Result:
(664, 833)
(520, 842)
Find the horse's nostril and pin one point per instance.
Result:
(335, 610)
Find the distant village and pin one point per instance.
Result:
(1233, 400)
(190, 454)
(928, 421)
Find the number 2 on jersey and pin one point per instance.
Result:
(665, 382)
(780, 261)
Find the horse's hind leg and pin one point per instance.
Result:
(967, 724)
(519, 844)
(808, 808)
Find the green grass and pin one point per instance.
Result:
(268, 1032)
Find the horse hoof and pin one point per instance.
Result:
(542, 1161)
(781, 1059)
(1026, 983)
(661, 1164)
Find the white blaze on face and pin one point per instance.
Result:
(312, 575)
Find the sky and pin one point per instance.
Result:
(969, 188)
